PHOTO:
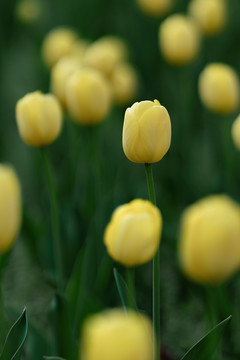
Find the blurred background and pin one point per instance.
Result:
(93, 179)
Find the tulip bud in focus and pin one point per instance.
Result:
(210, 15)
(117, 335)
(60, 73)
(39, 118)
(210, 240)
(219, 88)
(10, 207)
(28, 11)
(236, 132)
(146, 132)
(124, 83)
(88, 96)
(104, 54)
(57, 44)
(133, 235)
(155, 7)
(179, 39)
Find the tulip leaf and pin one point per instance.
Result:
(206, 346)
(15, 340)
(123, 290)
(66, 345)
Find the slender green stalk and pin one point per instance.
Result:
(2, 314)
(131, 287)
(156, 274)
(57, 247)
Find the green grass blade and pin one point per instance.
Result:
(16, 337)
(205, 347)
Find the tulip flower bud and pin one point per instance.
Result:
(60, 73)
(146, 132)
(57, 44)
(155, 7)
(116, 335)
(210, 240)
(236, 132)
(210, 15)
(132, 236)
(124, 83)
(179, 39)
(88, 96)
(28, 11)
(39, 118)
(10, 207)
(219, 88)
(105, 53)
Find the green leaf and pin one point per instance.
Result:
(206, 346)
(124, 291)
(66, 346)
(16, 337)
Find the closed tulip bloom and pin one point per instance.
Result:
(124, 83)
(116, 335)
(88, 96)
(155, 7)
(57, 44)
(210, 15)
(60, 73)
(219, 88)
(105, 53)
(210, 240)
(146, 132)
(28, 11)
(133, 235)
(39, 118)
(236, 132)
(179, 39)
(10, 207)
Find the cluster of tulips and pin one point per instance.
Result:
(86, 80)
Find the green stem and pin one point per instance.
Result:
(156, 274)
(57, 247)
(131, 288)
(2, 314)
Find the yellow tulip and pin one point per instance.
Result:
(146, 132)
(209, 245)
(88, 96)
(116, 335)
(132, 236)
(179, 39)
(60, 73)
(236, 132)
(57, 44)
(155, 7)
(28, 11)
(10, 207)
(39, 118)
(219, 88)
(124, 83)
(210, 15)
(105, 53)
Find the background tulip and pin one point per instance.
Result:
(179, 39)
(210, 15)
(39, 118)
(133, 235)
(115, 335)
(219, 88)
(88, 96)
(210, 240)
(10, 207)
(155, 7)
